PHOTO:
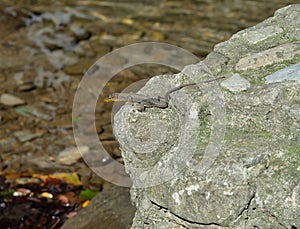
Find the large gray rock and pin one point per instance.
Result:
(227, 154)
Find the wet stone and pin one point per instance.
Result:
(80, 34)
(71, 155)
(78, 68)
(43, 164)
(65, 123)
(26, 86)
(58, 58)
(19, 77)
(46, 79)
(24, 136)
(39, 114)
(109, 209)
(156, 36)
(11, 100)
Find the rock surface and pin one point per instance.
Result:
(108, 209)
(222, 155)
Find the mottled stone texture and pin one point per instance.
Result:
(226, 154)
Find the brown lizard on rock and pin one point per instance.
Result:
(145, 101)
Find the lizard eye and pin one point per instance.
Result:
(113, 95)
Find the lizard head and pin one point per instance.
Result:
(111, 98)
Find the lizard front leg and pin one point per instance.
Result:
(140, 107)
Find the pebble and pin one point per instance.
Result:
(24, 191)
(71, 155)
(62, 199)
(39, 114)
(78, 68)
(19, 77)
(26, 86)
(65, 123)
(46, 195)
(26, 180)
(24, 136)
(156, 36)
(11, 100)
(236, 83)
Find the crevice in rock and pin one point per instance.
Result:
(186, 220)
(276, 219)
(265, 211)
(246, 207)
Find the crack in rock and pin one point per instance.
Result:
(186, 220)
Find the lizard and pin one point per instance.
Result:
(145, 101)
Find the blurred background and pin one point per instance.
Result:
(45, 48)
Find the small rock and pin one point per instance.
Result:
(70, 156)
(112, 207)
(24, 136)
(11, 100)
(78, 68)
(43, 165)
(26, 180)
(26, 86)
(39, 114)
(19, 77)
(157, 36)
(79, 32)
(236, 83)
(65, 123)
